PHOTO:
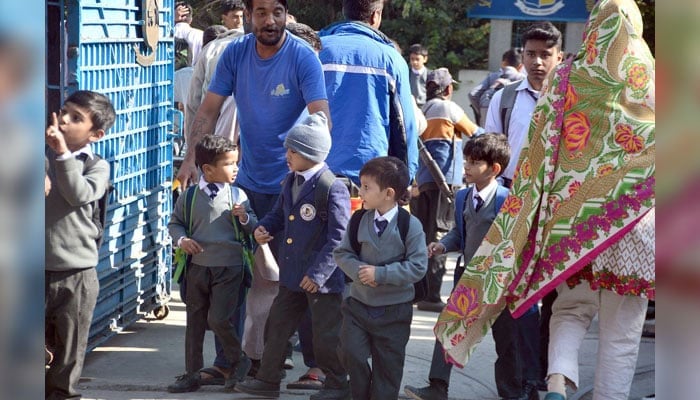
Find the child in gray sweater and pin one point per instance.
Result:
(207, 232)
(79, 178)
(377, 315)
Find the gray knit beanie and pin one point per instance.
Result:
(310, 138)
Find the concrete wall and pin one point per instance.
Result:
(468, 78)
(499, 41)
(573, 37)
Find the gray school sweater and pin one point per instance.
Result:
(69, 233)
(477, 225)
(398, 267)
(212, 226)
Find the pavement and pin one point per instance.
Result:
(143, 359)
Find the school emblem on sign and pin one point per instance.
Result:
(539, 7)
(149, 10)
(307, 211)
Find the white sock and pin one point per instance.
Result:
(556, 383)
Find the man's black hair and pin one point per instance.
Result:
(544, 31)
(489, 147)
(99, 107)
(210, 148)
(230, 5)
(388, 172)
(211, 33)
(361, 10)
(249, 4)
(513, 57)
(305, 32)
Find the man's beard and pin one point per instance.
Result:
(264, 39)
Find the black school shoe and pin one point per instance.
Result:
(238, 374)
(185, 383)
(258, 388)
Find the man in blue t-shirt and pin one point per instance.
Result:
(273, 76)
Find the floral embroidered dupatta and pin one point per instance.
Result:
(585, 179)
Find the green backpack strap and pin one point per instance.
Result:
(182, 258)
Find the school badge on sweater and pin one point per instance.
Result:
(307, 211)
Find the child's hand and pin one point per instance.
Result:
(239, 211)
(308, 285)
(190, 246)
(54, 137)
(366, 275)
(261, 234)
(435, 249)
(47, 185)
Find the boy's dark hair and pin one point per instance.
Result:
(230, 5)
(305, 32)
(211, 33)
(97, 105)
(513, 57)
(433, 90)
(388, 172)
(249, 4)
(361, 10)
(418, 48)
(210, 148)
(489, 147)
(544, 31)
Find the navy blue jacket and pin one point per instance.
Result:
(296, 223)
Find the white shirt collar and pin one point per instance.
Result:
(418, 71)
(310, 172)
(525, 85)
(203, 184)
(87, 149)
(486, 193)
(388, 216)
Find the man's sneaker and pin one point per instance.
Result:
(185, 383)
(432, 392)
(259, 388)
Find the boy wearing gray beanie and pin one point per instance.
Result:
(309, 277)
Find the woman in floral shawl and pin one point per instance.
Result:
(584, 182)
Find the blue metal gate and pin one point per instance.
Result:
(124, 49)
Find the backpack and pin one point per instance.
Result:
(182, 259)
(507, 103)
(404, 219)
(485, 97)
(99, 206)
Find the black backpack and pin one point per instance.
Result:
(403, 222)
(99, 208)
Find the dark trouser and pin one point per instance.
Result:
(439, 368)
(383, 333)
(306, 341)
(212, 295)
(545, 316)
(286, 312)
(70, 299)
(237, 320)
(517, 348)
(425, 209)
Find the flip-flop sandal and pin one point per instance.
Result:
(307, 382)
(215, 377)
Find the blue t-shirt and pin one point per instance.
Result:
(270, 95)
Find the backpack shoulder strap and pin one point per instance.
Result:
(507, 101)
(323, 190)
(403, 223)
(501, 194)
(190, 196)
(353, 227)
(460, 202)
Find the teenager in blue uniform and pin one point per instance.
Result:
(309, 277)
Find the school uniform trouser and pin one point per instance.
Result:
(383, 333)
(621, 320)
(212, 296)
(288, 309)
(70, 299)
(425, 208)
